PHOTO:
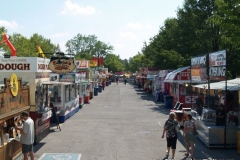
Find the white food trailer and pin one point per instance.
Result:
(65, 98)
(33, 71)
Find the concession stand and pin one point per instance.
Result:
(209, 133)
(165, 87)
(63, 95)
(14, 99)
(70, 78)
(34, 71)
(65, 98)
(179, 82)
(83, 67)
(215, 131)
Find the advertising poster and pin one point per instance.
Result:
(199, 68)
(67, 78)
(217, 65)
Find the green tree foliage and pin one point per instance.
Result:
(200, 27)
(113, 63)
(46, 45)
(28, 47)
(84, 47)
(126, 64)
(136, 62)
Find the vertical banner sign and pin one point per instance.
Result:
(199, 68)
(217, 65)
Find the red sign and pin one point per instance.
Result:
(185, 75)
(15, 66)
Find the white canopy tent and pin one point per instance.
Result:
(232, 85)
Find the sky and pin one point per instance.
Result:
(124, 24)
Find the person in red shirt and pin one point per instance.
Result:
(103, 84)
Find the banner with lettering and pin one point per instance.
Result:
(199, 68)
(217, 65)
(94, 62)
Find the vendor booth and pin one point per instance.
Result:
(179, 81)
(71, 78)
(65, 98)
(34, 71)
(83, 67)
(211, 133)
(159, 86)
(14, 99)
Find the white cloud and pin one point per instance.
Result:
(127, 35)
(134, 25)
(60, 35)
(71, 8)
(119, 46)
(149, 26)
(9, 24)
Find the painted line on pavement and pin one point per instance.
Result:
(160, 124)
(60, 156)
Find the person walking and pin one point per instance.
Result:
(117, 80)
(27, 136)
(199, 104)
(188, 135)
(171, 133)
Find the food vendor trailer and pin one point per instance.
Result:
(65, 98)
(14, 99)
(83, 67)
(34, 71)
(76, 78)
(179, 81)
(211, 134)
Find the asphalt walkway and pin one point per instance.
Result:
(121, 123)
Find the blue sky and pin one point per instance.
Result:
(125, 24)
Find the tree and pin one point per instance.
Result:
(113, 63)
(87, 46)
(136, 62)
(126, 64)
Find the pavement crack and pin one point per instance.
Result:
(112, 144)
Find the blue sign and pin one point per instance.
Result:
(60, 156)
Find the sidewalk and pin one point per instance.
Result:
(121, 123)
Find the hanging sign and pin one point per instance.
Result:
(199, 68)
(82, 64)
(217, 65)
(62, 65)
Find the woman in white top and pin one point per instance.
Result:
(188, 134)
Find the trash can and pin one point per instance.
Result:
(95, 91)
(100, 89)
(168, 101)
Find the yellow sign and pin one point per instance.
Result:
(14, 84)
(93, 63)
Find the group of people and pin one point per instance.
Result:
(220, 112)
(171, 125)
(171, 128)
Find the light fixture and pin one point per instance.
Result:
(186, 85)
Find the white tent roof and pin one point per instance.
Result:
(232, 85)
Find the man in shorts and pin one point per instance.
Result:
(27, 136)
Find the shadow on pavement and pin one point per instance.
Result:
(38, 146)
(160, 109)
